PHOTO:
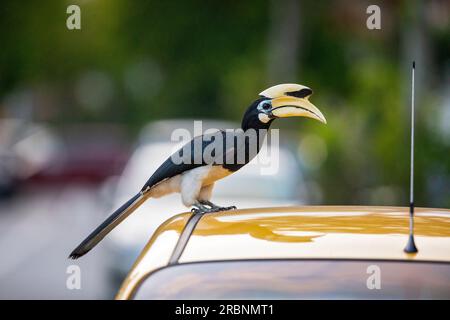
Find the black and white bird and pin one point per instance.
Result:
(193, 170)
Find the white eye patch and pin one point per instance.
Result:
(264, 105)
(264, 118)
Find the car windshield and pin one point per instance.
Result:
(299, 279)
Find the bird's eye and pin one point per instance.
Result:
(265, 106)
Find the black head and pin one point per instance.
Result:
(258, 115)
(280, 101)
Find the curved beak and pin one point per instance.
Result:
(289, 106)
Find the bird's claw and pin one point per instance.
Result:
(212, 209)
(227, 208)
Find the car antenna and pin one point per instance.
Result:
(411, 246)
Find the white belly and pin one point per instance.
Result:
(190, 183)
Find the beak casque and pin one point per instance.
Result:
(292, 100)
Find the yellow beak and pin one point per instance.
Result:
(287, 106)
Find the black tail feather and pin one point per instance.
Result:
(110, 223)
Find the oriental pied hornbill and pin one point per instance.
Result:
(195, 179)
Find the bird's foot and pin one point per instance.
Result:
(215, 208)
(226, 208)
(201, 208)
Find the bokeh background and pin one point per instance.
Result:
(77, 106)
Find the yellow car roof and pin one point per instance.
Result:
(314, 232)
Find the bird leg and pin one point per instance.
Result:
(205, 206)
(200, 208)
(215, 207)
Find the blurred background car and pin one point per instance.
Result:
(26, 149)
(87, 154)
(249, 188)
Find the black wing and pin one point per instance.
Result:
(191, 153)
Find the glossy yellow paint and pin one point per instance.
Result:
(328, 232)
(156, 254)
(319, 232)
